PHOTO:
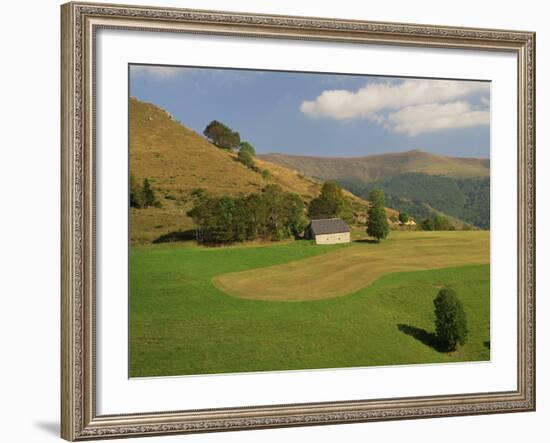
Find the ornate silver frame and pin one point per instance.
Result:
(80, 21)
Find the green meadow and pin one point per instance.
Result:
(297, 305)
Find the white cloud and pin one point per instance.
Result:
(375, 100)
(161, 72)
(414, 120)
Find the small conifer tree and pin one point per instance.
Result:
(377, 223)
(450, 320)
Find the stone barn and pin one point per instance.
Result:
(329, 231)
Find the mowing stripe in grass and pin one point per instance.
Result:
(347, 270)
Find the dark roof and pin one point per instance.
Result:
(329, 226)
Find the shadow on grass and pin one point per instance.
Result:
(487, 344)
(176, 236)
(428, 338)
(366, 240)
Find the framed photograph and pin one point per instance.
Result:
(283, 221)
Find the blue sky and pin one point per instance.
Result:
(324, 114)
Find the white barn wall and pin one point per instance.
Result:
(332, 239)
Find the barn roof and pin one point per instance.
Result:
(329, 226)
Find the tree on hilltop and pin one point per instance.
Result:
(222, 136)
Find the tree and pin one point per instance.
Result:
(295, 210)
(377, 222)
(266, 175)
(215, 217)
(450, 320)
(149, 198)
(257, 216)
(245, 146)
(331, 203)
(427, 224)
(441, 223)
(144, 196)
(274, 200)
(403, 217)
(136, 196)
(222, 136)
(246, 158)
(436, 222)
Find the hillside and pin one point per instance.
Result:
(421, 194)
(177, 161)
(380, 167)
(415, 182)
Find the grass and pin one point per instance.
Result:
(347, 270)
(180, 323)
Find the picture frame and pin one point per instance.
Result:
(80, 25)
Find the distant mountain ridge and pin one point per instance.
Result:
(379, 167)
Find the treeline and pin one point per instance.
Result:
(142, 196)
(417, 194)
(270, 215)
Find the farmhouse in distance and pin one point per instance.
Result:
(329, 231)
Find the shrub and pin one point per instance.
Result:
(450, 320)
(245, 146)
(246, 158)
(436, 222)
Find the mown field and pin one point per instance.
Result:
(182, 323)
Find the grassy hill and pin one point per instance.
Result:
(379, 167)
(380, 320)
(177, 161)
